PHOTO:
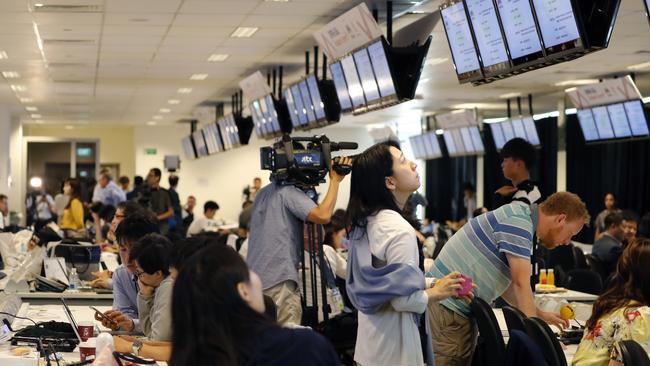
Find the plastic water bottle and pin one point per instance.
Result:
(338, 299)
(75, 283)
(103, 339)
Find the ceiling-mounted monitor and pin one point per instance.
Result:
(367, 76)
(637, 117)
(382, 73)
(520, 29)
(463, 141)
(587, 124)
(426, 146)
(558, 26)
(341, 85)
(229, 132)
(620, 124)
(461, 43)
(521, 127)
(616, 121)
(199, 143)
(603, 123)
(212, 138)
(271, 119)
(188, 147)
(497, 135)
(312, 103)
(355, 90)
(489, 37)
(531, 131)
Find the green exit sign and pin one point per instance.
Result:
(151, 151)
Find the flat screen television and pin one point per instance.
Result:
(188, 147)
(520, 29)
(382, 72)
(615, 121)
(518, 127)
(212, 138)
(489, 37)
(450, 144)
(558, 26)
(603, 123)
(426, 146)
(354, 83)
(531, 131)
(287, 94)
(306, 101)
(316, 99)
(508, 130)
(619, 121)
(477, 140)
(497, 135)
(647, 9)
(229, 132)
(268, 120)
(637, 117)
(301, 109)
(587, 124)
(461, 43)
(367, 76)
(341, 86)
(199, 143)
(467, 139)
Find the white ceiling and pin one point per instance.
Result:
(123, 61)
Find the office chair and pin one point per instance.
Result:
(584, 280)
(542, 334)
(579, 258)
(514, 319)
(490, 348)
(633, 354)
(597, 266)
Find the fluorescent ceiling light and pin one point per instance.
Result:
(643, 66)
(546, 115)
(69, 127)
(218, 57)
(26, 100)
(440, 131)
(173, 101)
(577, 82)
(18, 88)
(157, 117)
(184, 90)
(436, 61)
(3, 55)
(39, 121)
(570, 111)
(477, 105)
(494, 120)
(164, 110)
(151, 123)
(35, 116)
(31, 109)
(38, 5)
(244, 32)
(509, 95)
(199, 76)
(10, 74)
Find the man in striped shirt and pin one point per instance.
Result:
(518, 158)
(494, 250)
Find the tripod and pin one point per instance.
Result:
(316, 259)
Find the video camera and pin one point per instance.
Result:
(291, 163)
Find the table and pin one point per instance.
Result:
(569, 295)
(44, 313)
(72, 297)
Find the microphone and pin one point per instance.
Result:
(335, 146)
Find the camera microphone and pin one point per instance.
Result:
(335, 146)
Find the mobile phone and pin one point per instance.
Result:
(467, 286)
(102, 316)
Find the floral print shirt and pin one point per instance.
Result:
(599, 345)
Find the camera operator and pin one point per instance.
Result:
(41, 206)
(276, 236)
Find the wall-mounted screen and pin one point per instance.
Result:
(587, 124)
(619, 120)
(637, 118)
(488, 34)
(603, 124)
(520, 30)
(368, 82)
(354, 84)
(497, 135)
(316, 100)
(382, 70)
(460, 41)
(341, 86)
(199, 143)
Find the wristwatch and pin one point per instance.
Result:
(137, 346)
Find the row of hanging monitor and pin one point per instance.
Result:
(622, 121)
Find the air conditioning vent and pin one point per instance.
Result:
(54, 8)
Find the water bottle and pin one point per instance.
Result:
(338, 300)
(103, 339)
(74, 280)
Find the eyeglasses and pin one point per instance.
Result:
(138, 273)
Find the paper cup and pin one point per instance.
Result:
(87, 350)
(85, 330)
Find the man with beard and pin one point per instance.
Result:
(494, 250)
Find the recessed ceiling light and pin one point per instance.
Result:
(26, 100)
(436, 61)
(244, 32)
(577, 82)
(509, 95)
(10, 74)
(184, 90)
(39, 121)
(643, 66)
(69, 127)
(31, 109)
(173, 101)
(164, 110)
(3, 55)
(38, 5)
(151, 123)
(199, 76)
(157, 117)
(36, 116)
(18, 88)
(217, 57)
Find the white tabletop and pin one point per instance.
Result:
(65, 295)
(569, 295)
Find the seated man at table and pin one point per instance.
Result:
(151, 257)
(494, 250)
(622, 312)
(125, 287)
(609, 246)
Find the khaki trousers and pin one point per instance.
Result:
(286, 297)
(453, 336)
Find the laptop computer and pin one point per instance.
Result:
(71, 319)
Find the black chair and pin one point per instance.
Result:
(633, 354)
(490, 348)
(542, 334)
(597, 266)
(560, 276)
(579, 258)
(584, 280)
(514, 319)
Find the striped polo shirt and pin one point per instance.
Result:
(479, 250)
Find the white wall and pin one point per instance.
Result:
(11, 172)
(222, 177)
